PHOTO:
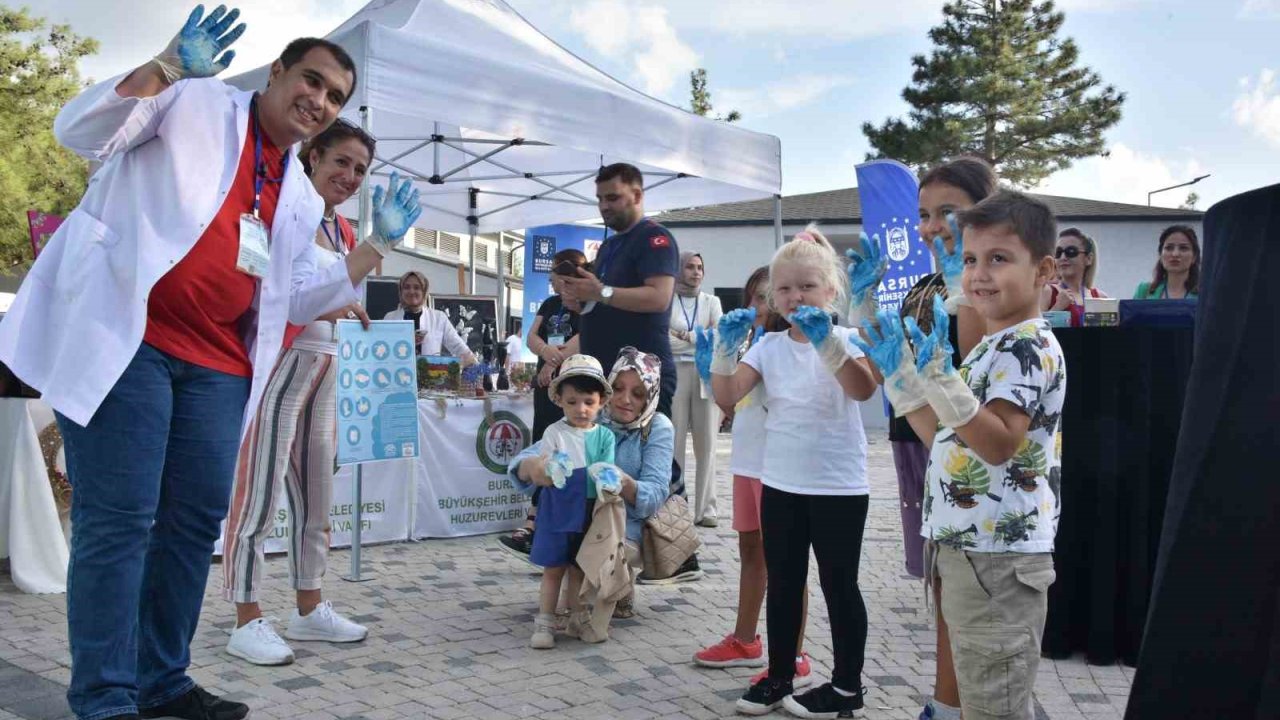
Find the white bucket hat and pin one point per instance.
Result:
(583, 366)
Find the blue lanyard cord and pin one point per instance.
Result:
(260, 177)
(339, 247)
(684, 311)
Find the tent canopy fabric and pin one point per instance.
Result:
(478, 105)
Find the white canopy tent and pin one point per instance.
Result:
(504, 129)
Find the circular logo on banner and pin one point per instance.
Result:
(899, 243)
(499, 440)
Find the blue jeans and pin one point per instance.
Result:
(151, 479)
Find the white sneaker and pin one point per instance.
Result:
(324, 624)
(257, 642)
(544, 628)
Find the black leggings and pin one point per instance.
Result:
(833, 525)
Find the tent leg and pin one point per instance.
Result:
(472, 222)
(777, 221)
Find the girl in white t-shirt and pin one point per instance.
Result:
(742, 647)
(814, 471)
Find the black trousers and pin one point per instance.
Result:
(833, 525)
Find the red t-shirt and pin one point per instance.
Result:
(348, 235)
(196, 310)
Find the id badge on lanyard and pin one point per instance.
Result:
(254, 255)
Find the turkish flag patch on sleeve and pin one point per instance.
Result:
(659, 241)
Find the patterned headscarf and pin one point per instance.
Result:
(649, 368)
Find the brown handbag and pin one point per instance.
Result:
(669, 538)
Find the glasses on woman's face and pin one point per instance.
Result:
(1071, 252)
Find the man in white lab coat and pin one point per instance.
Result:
(151, 322)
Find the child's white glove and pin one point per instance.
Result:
(732, 330)
(559, 467)
(889, 350)
(948, 394)
(607, 477)
(951, 264)
(816, 326)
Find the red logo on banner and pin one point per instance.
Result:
(659, 241)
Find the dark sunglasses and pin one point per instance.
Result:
(355, 129)
(1070, 251)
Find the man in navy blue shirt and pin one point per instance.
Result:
(627, 301)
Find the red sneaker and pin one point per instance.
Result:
(803, 676)
(731, 652)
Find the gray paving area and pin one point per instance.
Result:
(450, 622)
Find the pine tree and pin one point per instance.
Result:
(1001, 84)
(38, 75)
(700, 97)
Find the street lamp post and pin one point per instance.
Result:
(1174, 187)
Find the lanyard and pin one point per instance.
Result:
(259, 167)
(688, 323)
(338, 247)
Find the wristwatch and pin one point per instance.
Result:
(606, 294)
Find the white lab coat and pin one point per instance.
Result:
(440, 333)
(169, 161)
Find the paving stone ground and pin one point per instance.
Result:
(450, 623)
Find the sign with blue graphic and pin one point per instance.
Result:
(377, 392)
(544, 249)
(890, 197)
(537, 276)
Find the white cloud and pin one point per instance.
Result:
(1259, 10)
(777, 96)
(1257, 107)
(639, 33)
(1126, 176)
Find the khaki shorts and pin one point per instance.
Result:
(995, 606)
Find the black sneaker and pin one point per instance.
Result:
(198, 704)
(688, 572)
(824, 702)
(764, 697)
(518, 544)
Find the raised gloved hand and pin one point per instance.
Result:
(947, 393)
(703, 350)
(866, 270)
(559, 468)
(733, 329)
(816, 326)
(888, 349)
(193, 52)
(607, 477)
(394, 211)
(951, 265)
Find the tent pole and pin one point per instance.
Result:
(500, 322)
(777, 221)
(366, 229)
(472, 221)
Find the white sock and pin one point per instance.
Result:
(943, 711)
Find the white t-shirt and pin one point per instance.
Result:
(318, 335)
(514, 346)
(816, 443)
(747, 456)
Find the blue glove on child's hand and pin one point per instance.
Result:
(607, 477)
(814, 323)
(703, 351)
(559, 468)
(951, 264)
(933, 351)
(866, 269)
(733, 329)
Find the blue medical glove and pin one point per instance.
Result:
(704, 348)
(559, 468)
(193, 52)
(607, 477)
(731, 332)
(866, 270)
(394, 211)
(887, 347)
(951, 264)
(816, 326)
(933, 351)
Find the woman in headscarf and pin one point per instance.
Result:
(692, 407)
(644, 441)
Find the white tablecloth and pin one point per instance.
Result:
(30, 532)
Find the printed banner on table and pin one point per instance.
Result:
(466, 491)
(377, 391)
(890, 196)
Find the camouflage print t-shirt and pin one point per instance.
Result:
(1014, 507)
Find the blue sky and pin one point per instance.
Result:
(1202, 92)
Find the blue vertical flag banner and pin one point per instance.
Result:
(377, 392)
(548, 240)
(890, 197)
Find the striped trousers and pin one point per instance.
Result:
(291, 443)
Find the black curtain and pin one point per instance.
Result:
(1212, 643)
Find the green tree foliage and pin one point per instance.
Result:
(38, 75)
(700, 97)
(1001, 84)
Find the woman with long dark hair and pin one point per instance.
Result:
(1177, 271)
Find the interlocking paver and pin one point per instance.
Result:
(450, 623)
